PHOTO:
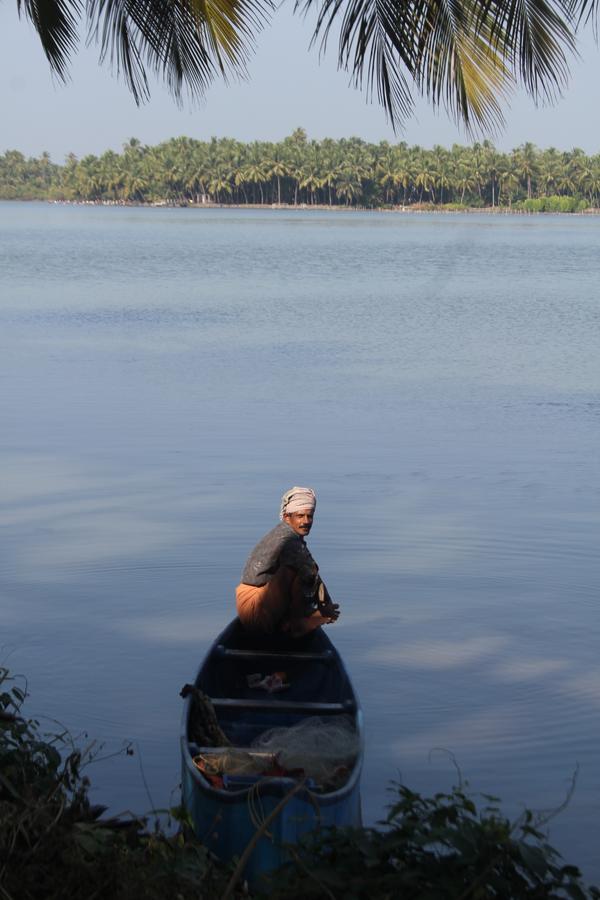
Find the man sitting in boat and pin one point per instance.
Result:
(281, 589)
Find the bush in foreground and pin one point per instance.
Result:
(439, 848)
(55, 846)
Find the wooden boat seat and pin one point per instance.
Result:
(295, 706)
(233, 653)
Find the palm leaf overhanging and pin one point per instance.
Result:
(466, 55)
(56, 22)
(184, 42)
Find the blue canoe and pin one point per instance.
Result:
(224, 817)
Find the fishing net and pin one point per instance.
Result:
(321, 750)
(324, 749)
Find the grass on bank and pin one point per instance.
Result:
(55, 845)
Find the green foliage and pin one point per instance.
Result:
(431, 849)
(54, 846)
(349, 173)
(554, 204)
(454, 207)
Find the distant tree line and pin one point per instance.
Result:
(349, 172)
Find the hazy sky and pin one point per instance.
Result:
(288, 87)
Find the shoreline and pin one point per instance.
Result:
(410, 209)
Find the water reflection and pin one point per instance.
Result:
(438, 654)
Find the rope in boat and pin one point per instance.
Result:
(256, 809)
(255, 839)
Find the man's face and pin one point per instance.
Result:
(301, 521)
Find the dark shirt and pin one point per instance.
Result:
(281, 547)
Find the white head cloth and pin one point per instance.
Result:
(297, 498)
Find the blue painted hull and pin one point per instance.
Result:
(226, 820)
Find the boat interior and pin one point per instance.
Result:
(314, 682)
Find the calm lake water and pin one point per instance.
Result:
(166, 374)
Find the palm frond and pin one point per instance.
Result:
(434, 43)
(112, 27)
(376, 33)
(373, 41)
(458, 65)
(536, 37)
(464, 54)
(185, 42)
(586, 12)
(56, 23)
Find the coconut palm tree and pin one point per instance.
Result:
(425, 175)
(276, 168)
(197, 174)
(405, 171)
(310, 180)
(508, 178)
(579, 168)
(220, 183)
(330, 168)
(592, 183)
(526, 159)
(255, 171)
(111, 174)
(386, 171)
(550, 169)
(347, 186)
(464, 180)
(45, 169)
(135, 184)
(463, 54)
(444, 177)
(89, 181)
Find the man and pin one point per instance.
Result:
(281, 590)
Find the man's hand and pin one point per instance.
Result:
(330, 611)
(300, 627)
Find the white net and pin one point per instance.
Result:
(325, 749)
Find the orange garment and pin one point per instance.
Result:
(279, 605)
